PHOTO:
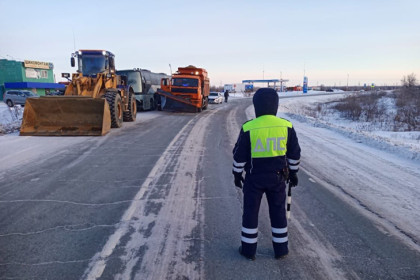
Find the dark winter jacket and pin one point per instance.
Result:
(278, 146)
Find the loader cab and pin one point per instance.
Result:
(92, 62)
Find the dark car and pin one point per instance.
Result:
(17, 97)
(57, 92)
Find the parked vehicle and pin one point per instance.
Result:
(17, 97)
(215, 97)
(55, 93)
(145, 84)
(187, 90)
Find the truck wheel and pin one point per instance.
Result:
(9, 103)
(152, 105)
(115, 108)
(139, 106)
(131, 113)
(206, 103)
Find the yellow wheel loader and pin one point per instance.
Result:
(95, 100)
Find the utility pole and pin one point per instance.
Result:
(347, 88)
(281, 82)
(263, 71)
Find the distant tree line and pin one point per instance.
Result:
(370, 107)
(408, 103)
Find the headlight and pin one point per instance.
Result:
(79, 52)
(103, 52)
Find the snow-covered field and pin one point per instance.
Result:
(284, 94)
(406, 144)
(376, 171)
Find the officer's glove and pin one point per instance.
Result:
(293, 178)
(238, 179)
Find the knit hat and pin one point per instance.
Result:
(266, 102)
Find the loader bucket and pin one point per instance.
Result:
(65, 116)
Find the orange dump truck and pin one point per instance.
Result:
(187, 90)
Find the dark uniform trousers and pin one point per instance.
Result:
(274, 187)
(265, 146)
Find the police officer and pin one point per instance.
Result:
(266, 147)
(226, 96)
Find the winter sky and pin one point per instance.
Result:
(364, 41)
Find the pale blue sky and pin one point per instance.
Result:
(372, 41)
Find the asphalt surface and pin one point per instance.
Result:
(156, 200)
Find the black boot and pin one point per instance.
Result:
(251, 258)
(280, 257)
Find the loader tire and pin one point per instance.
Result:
(131, 113)
(115, 107)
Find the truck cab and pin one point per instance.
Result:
(189, 85)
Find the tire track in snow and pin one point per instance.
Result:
(158, 246)
(358, 177)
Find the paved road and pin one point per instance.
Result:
(155, 200)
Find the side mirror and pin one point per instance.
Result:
(164, 82)
(65, 75)
(111, 63)
(72, 62)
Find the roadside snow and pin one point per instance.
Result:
(281, 94)
(310, 92)
(10, 118)
(406, 144)
(376, 171)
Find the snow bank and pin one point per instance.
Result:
(10, 118)
(237, 95)
(282, 94)
(300, 93)
(378, 135)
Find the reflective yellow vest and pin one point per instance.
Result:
(268, 136)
